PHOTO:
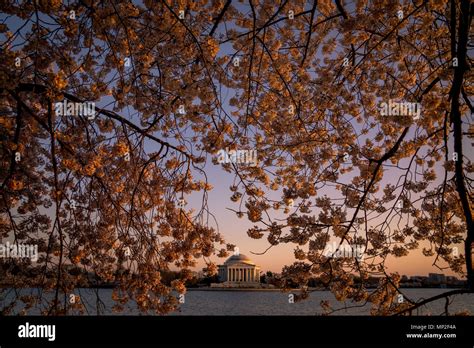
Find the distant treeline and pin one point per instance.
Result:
(87, 279)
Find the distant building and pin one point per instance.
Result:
(418, 281)
(455, 282)
(451, 280)
(419, 278)
(239, 271)
(435, 278)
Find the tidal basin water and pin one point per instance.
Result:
(201, 302)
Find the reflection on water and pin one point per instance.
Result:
(198, 302)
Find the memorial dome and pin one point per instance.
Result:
(240, 258)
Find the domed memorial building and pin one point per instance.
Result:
(239, 271)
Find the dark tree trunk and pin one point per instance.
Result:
(462, 38)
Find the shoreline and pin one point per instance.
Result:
(280, 290)
(230, 289)
(233, 289)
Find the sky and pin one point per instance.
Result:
(234, 229)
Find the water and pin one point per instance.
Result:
(199, 302)
(276, 303)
